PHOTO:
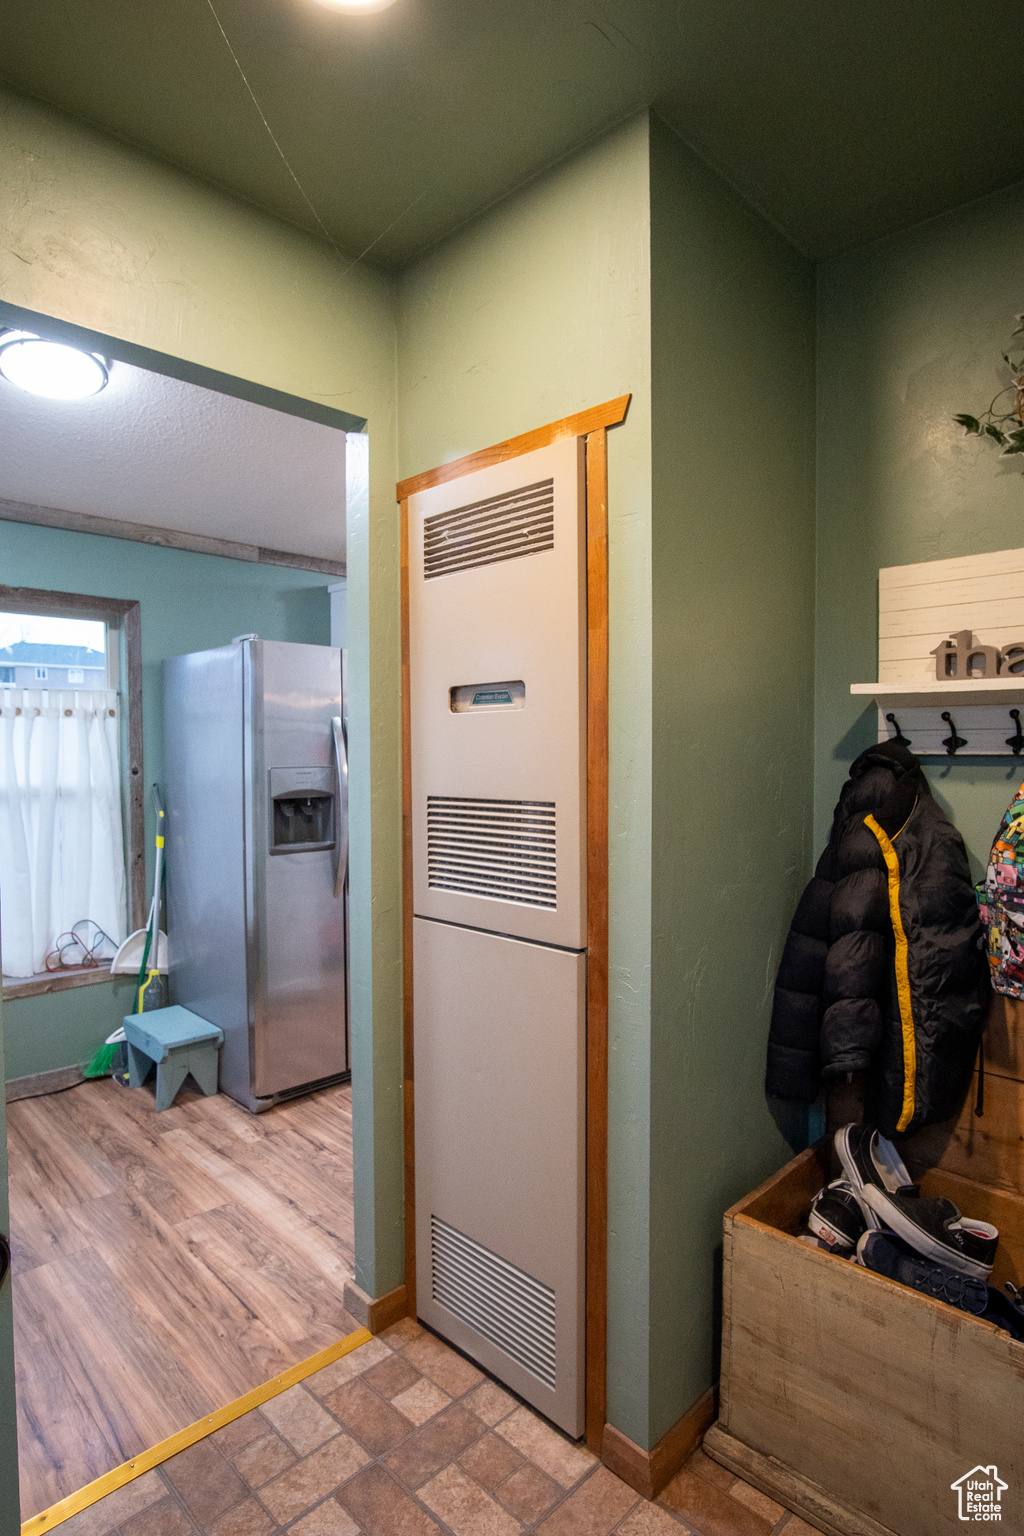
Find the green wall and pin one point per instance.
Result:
(538, 310)
(190, 602)
(105, 237)
(631, 267)
(732, 324)
(628, 267)
(910, 332)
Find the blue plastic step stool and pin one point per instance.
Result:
(177, 1042)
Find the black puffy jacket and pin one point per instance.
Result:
(884, 969)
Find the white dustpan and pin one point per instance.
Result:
(129, 957)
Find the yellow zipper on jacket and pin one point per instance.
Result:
(892, 864)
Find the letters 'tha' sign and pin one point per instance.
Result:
(962, 658)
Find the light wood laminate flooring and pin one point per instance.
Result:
(165, 1263)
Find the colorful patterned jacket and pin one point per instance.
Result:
(1001, 898)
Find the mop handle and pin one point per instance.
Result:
(151, 956)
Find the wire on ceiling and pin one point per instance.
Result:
(273, 138)
(288, 166)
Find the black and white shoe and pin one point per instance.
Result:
(871, 1162)
(836, 1217)
(811, 1241)
(890, 1256)
(936, 1230)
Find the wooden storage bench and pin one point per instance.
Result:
(852, 1400)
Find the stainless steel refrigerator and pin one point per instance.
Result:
(257, 859)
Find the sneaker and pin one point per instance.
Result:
(836, 1217)
(871, 1162)
(888, 1255)
(933, 1228)
(936, 1230)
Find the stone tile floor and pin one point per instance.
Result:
(405, 1437)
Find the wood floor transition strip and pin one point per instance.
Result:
(49, 1519)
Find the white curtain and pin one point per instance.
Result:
(61, 839)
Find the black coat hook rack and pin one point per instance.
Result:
(1016, 741)
(952, 742)
(903, 741)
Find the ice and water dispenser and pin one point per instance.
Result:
(302, 816)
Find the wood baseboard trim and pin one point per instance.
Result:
(43, 1082)
(376, 1312)
(788, 1488)
(649, 1471)
(128, 1471)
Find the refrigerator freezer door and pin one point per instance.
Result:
(500, 1128)
(297, 927)
(206, 910)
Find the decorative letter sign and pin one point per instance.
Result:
(958, 657)
(951, 655)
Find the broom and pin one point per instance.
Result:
(150, 988)
(102, 1064)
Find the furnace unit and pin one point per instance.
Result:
(497, 610)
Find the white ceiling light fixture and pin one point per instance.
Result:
(50, 368)
(355, 7)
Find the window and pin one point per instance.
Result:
(71, 854)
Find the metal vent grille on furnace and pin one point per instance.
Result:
(504, 1303)
(502, 527)
(504, 849)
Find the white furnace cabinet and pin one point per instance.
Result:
(497, 607)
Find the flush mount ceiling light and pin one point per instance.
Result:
(49, 367)
(356, 7)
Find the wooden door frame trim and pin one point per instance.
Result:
(408, 1101)
(597, 938)
(611, 414)
(592, 426)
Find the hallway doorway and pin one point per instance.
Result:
(169, 1261)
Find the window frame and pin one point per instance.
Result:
(123, 618)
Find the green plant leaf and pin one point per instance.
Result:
(990, 431)
(969, 423)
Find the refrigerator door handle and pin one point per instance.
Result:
(341, 772)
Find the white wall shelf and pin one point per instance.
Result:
(950, 695)
(919, 608)
(980, 711)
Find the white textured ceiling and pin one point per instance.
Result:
(148, 449)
